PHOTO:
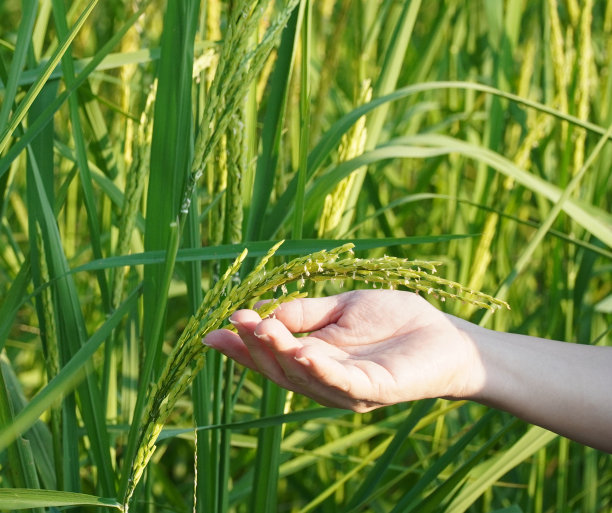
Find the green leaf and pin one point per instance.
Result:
(330, 141)
(260, 248)
(19, 58)
(369, 484)
(263, 422)
(484, 475)
(67, 379)
(32, 93)
(23, 498)
(273, 124)
(170, 163)
(44, 118)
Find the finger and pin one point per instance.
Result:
(231, 345)
(328, 371)
(265, 361)
(303, 315)
(304, 373)
(284, 346)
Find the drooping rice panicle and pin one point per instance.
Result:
(224, 299)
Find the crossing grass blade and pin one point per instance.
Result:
(260, 248)
(411, 500)
(376, 474)
(273, 120)
(73, 328)
(447, 489)
(81, 152)
(43, 119)
(68, 378)
(17, 499)
(14, 296)
(330, 141)
(38, 436)
(492, 469)
(19, 59)
(169, 166)
(33, 92)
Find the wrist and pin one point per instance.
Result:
(472, 376)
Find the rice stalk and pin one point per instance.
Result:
(236, 169)
(52, 356)
(559, 62)
(574, 9)
(585, 50)
(351, 146)
(127, 72)
(187, 357)
(136, 178)
(217, 186)
(238, 67)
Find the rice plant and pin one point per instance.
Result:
(153, 153)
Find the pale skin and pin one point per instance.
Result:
(370, 348)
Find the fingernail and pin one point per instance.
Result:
(263, 337)
(233, 322)
(302, 359)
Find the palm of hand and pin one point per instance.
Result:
(365, 348)
(385, 347)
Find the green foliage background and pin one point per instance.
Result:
(484, 147)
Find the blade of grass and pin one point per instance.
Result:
(331, 139)
(42, 159)
(22, 45)
(366, 461)
(59, 13)
(33, 92)
(170, 164)
(376, 474)
(592, 248)
(595, 220)
(447, 489)
(41, 121)
(261, 422)
(485, 474)
(298, 213)
(16, 499)
(267, 459)
(260, 248)
(38, 435)
(411, 499)
(68, 378)
(72, 328)
(605, 232)
(110, 62)
(272, 128)
(13, 454)
(13, 300)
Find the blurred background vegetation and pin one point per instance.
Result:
(494, 108)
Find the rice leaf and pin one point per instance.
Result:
(33, 92)
(20, 498)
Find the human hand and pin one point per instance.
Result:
(365, 349)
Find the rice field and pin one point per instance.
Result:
(154, 155)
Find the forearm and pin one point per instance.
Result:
(564, 387)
